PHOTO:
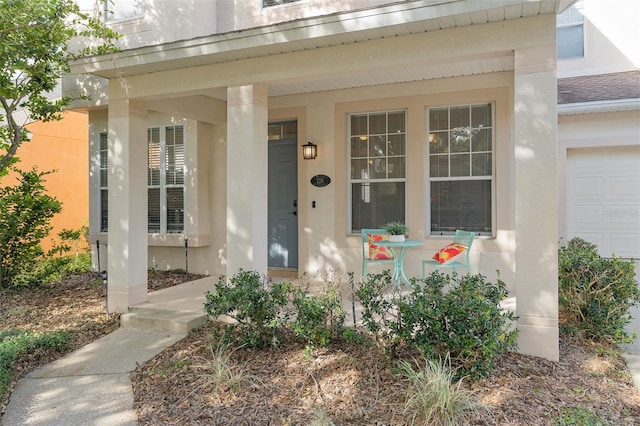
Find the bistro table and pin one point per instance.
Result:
(399, 252)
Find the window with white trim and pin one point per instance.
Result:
(570, 32)
(122, 10)
(460, 164)
(165, 179)
(377, 163)
(267, 3)
(104, 191)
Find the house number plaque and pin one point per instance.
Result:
(320, 180)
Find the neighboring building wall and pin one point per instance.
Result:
(599, 135)
(61, 146)
(599, 97)
(611, 35)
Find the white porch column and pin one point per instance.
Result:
(127, 264)
(536, 195)
(247, 158)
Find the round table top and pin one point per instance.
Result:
(405, 243)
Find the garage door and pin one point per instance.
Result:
(603, 199)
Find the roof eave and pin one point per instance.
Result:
(295, 35)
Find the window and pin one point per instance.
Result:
(570, 32)
(122, 10)
(104, 192)
(377, 145)
(267, 3)
(460, 147)
(165, 179)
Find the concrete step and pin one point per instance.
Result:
(174, 322)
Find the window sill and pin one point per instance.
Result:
(177, 240)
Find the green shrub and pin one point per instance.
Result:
(15, 344)
(456, 315)
(25, 215)
(254, 303)
(379, 314)
(460, 316)
(319, 317)
(72, 241)
(51, 269)
(595, 293)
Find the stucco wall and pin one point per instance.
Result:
(611, 39)
(324, 242)
(60, 146)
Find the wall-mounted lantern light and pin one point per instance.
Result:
(309, 151)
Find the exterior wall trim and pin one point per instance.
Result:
(599, 106)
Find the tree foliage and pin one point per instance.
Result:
(25, 215)
(34, 55)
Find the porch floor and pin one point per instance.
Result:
(186, 297)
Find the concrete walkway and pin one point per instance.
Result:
(92, 385)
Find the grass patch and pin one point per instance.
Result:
(433, 397)
(219, 373)
(579, 416)
(16, 344)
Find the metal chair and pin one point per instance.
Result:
(365, 249)
(464, 238)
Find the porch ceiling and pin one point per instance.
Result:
(470, 66)
(398, 19)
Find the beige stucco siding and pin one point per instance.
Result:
(226, 107)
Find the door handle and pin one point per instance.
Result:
(295, 213)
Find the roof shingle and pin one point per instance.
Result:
(602, 87)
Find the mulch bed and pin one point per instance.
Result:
(347, 383)
(354, 385)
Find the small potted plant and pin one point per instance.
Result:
(396, 230)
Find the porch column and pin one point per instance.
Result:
(247, 155)
(127, 247)
(536, 195)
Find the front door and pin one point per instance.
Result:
(283, 204)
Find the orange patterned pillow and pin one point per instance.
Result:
(447, 253)
(377, 252)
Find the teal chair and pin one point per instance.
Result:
(365, 249)
(461, 261)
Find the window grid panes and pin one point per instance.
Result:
(570, 32)
(460, 164)
(104, 192)
(377, 156)
(165, 179)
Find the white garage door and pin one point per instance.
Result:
(603, 199)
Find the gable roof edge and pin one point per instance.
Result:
(615, 105)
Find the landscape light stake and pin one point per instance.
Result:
(105, 289)
(98, 252)
(353, 299)
(186, 257)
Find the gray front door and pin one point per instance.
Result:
(283, 204)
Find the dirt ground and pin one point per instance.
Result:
(345, 384)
